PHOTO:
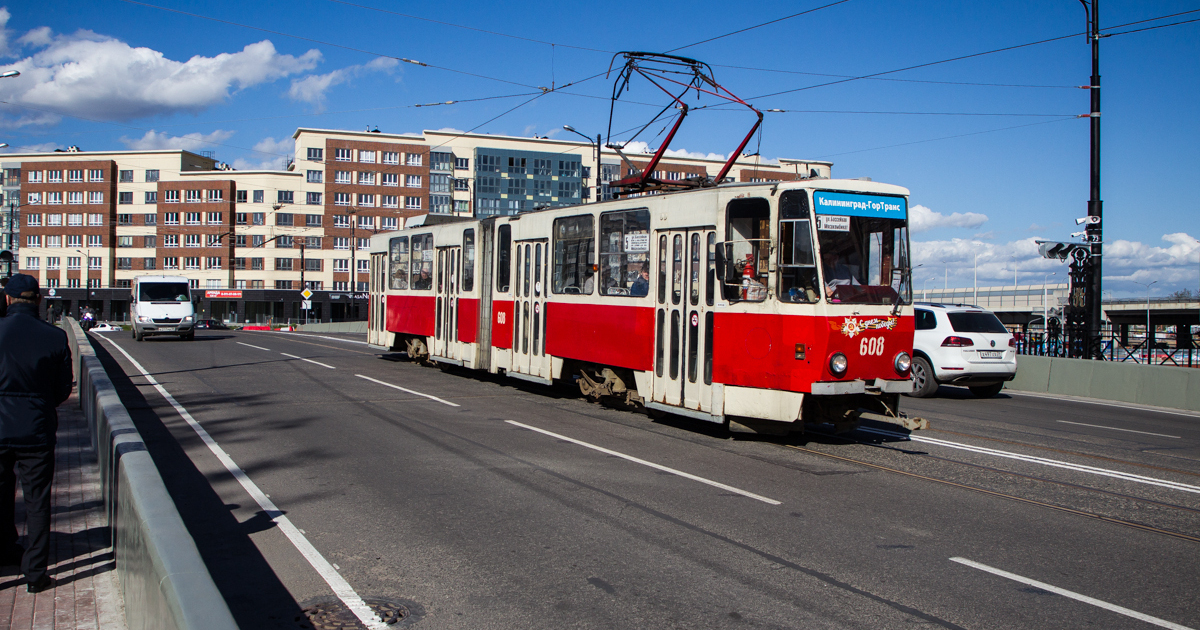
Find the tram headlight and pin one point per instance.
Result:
(838, 364)
(903, 363)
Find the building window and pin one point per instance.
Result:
(258, 218)
(213, 262)
(239, 218)
(170, 262)
(33, 240)
(215, 196)
(55, 177)
(212, 283)
(462, 205)
(439, 183)
(412, 181)
(152, 175)
(34, 198)
(366, 157)
(391, 157)
(462, 164)
(283, 196)
(152, 196)
(313, 198)
(75, 176)
(74, 220)
(541, 187)
(171, 196)
(568, 189)
(54, 198)
(366, 201)
(488, 163)
(96, 197)
(74, 240)
(390, 201)
(72, 283)
(387, 223)
(95, 240)
(241, 196)
(284, 284)
(342, 177)
(259, 196)
(366, 178)
(315, 177)
(126, 176)
(191, 240)
(412, 203)
(462, 184)
(75, 198)
(96, 219)
(312, 264)
(516, 186)
(150, 219)
(149, 263)
(73, 263)
(33, 220)
(312, 242)
(283, 264)
(215, 218)
(341, 199)
(192, 196)
(341, 221)
(35, 177)
(54, 220)
(441, 161)
(191, 262)
(170, 218)
(170, 240)
(96, 175)
(51, 283)
(284, 218)
(237, 263)
(124, 263)
(124, 198)
(213, 240)
(150, 241)
(315, 154)
(256, 264)
(438, 203)
(192, 218)
(341, 265)
(124, 241)
(239, 240)
(342, 155)
(32, 262)
(341, 242)
(389, 179)
(52, 263)
(312, 220)
(541, 167)
(283, 242)
(568, 168)
(516, 165)
(415, 159)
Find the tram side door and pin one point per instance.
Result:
(445, 337)
(529, 316)
(683, 318)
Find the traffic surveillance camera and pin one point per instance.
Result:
(1077, 234)
(1088, 220)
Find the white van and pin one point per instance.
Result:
(162, 305)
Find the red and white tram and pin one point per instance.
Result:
(766, 305)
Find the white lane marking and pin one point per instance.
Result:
(411, 391)
(1097, 426)
(1105, 403)
(1173, 485)
(253, 346)
(309, 360)
(300, 334)
(650, 464)
(340, 586)
(1073, 595)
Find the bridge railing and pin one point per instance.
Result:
(1163, 349)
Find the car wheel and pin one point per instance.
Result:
(924, 383)
(137, 334)
(986, 391)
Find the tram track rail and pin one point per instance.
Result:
(996, 493)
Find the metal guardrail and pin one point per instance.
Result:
(164, 582)
(1162, 351)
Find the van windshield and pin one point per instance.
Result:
(163, 292)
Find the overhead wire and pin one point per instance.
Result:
(768, 23)
(961, 135)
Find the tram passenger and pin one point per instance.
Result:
(837, 272)
(641, 286)
(423, 282)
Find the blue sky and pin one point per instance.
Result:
(113, 74)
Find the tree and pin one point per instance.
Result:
(1182, 294)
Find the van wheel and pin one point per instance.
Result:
(924, 383)
(986, 391)
(188, 337)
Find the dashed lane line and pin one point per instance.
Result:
(1097, 426)
(292, 356)
(410, 391)
(253, 346)
(332, 577)
(643, 462)
(1121, 610)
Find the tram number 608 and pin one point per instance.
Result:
(871, 346)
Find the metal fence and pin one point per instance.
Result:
(1163, 349)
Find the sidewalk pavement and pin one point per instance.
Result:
(86, 595)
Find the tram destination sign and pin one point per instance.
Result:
(855, 205)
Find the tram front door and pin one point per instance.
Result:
(445, 336)
(683, 318)
(529, 310)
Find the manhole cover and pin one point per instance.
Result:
(332, 614)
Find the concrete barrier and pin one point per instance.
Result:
(1156, 385)
(164, 582)
(342, 327)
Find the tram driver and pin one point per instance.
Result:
(837, 272)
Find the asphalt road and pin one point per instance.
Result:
(485, 502)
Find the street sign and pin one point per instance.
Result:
(307, 293)
(306, 305)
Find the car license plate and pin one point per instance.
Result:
(166, 328)
(991, 354)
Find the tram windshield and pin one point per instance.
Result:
(863, 241)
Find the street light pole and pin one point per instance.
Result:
(1146, 344)
(597, 145)
(1095, 231)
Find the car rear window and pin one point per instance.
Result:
(926, 320)
(975, 322)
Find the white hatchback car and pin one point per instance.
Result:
(960, 344)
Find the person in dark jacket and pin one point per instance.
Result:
(35, 378)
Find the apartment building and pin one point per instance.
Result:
(86, 223)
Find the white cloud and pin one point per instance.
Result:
(4, 32)
(196, 141)
(95, 76)
(1173, 266)
(923, 219)
(312, 88)
(272, 155)
(44, 147)
(638, 146)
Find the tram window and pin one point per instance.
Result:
(398, 263)
(658, 348)
(674, 345)
(526, 284)
(537, 270)
(574, 255)
(503, 271)
(693, 345)
(676, 269)
(863, 258)
(422, 262)
(797, 261)
(468, 260)
(708, 350)
(745, 250)
(625, 253)
(695, 270)
(441, 270)
(712, 268)
(662, 270)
